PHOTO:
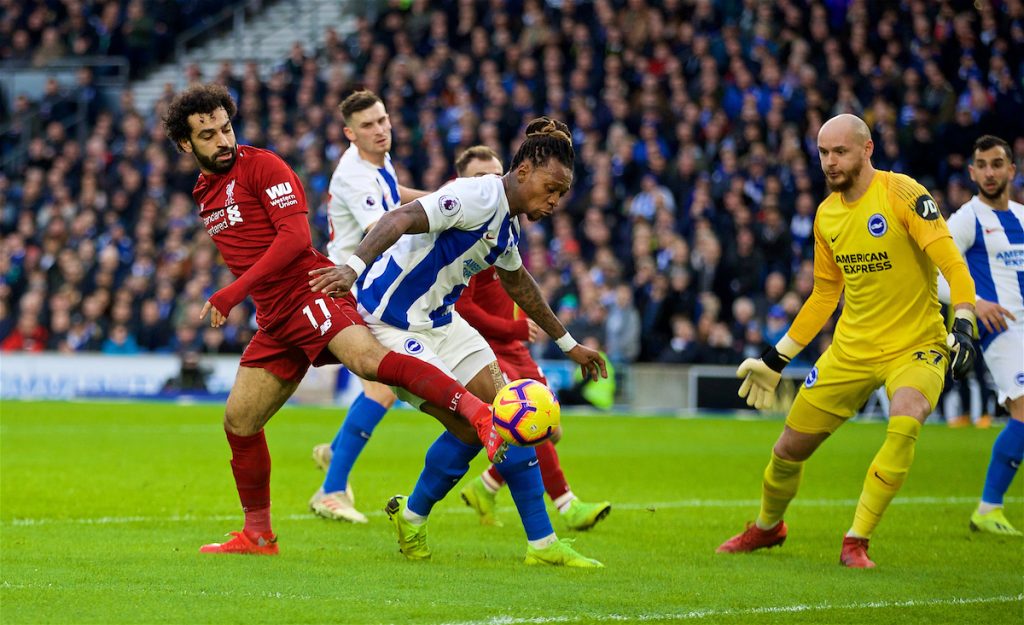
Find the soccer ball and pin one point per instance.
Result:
(526, 413)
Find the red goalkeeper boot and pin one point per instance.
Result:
(242, 544)
(855, 553)
(754, 538)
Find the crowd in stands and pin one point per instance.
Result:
(38, 32)
(687, 234)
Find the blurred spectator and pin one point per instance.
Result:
(695, 126)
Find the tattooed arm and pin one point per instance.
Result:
(337, 280)
(523, 290)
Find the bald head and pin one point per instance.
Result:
(845, 147)
(845, 127)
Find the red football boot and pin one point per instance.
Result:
(754, 538)
(241, 544)
(855, 553)
(494, 444)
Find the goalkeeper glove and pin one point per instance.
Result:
(960, 340)
(760, 377)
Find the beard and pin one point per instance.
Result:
(993, 196)
(847, 182)
(212, 164)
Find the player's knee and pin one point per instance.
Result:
(381, 394)
(910, 402)
(241, 424)
(365, 364)
(462, 430)
(797, 446)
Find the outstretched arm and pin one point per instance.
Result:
(761, 375)
(408, 219)
(962, 351)
(524, 291)
(292, 239)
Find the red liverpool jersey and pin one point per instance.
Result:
(241, 209)
(488, 308)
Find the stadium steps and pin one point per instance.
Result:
(261, 39)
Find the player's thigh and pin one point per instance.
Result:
(255, 397)
(922, 371)
(358, 349)
(833, 391)
(380, 393)
(419, 345)
(469, 357)
(487, 382)
(1004, 357)
(458, 426)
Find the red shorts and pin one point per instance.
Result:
(289, 346)
(515, 362)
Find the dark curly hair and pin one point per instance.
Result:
(195, 99)
(545, 138)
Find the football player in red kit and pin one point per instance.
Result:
(254, 207)
(489, 309)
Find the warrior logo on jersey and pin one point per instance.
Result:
(877, 225)
(449, 205)
(413, 347)
(812, 378)
(925, 207)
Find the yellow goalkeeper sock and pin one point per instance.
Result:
(886, 474)
(781, 481)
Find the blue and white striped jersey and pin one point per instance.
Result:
(359, 194)
(414, 284)
(992, 242)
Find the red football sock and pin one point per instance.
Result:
(551, 470)
(250, 462)
(494, 474)
(424, 380)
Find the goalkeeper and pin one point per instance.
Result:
(878, 238)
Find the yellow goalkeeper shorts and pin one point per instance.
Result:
(839, 386)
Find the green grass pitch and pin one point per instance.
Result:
(105, 505)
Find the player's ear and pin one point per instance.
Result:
(869, 147)
(351, 136)
(523, 171)
(185, 145)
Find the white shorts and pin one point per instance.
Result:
(456, 348)
(1005, 360)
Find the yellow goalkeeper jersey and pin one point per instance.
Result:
(874, 249)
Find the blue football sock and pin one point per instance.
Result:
(522, 474)
(1006, 457)
(363, 416)
(446, 462)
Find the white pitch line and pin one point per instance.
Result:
(634, 506)
(715, 613)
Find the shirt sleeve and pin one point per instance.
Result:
(463, 204)
(822, 302)
(490, 326)
(961, 227)
(357, 194)
(279, 188)
(915, 208)
(510, 260)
